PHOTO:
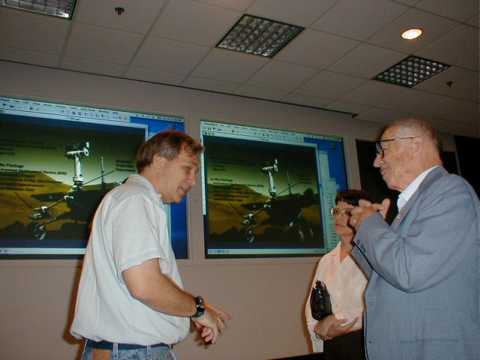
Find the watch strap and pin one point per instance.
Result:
(199, 307)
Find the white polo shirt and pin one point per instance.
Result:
(130, 227)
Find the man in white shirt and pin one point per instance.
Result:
(131, 302)
(423, 295)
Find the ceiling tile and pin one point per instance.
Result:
(323, 67)
(427, 103)
(458, 110)
(373, 60)
(137, 18)
(239, 5)
(360, 19)
(407, 2)
(454, 9)
(298, 12)
(349, 107)
(101, 44)
(229, 65)
(29, 57)
(380, 94)
(307, 100)
(453, 127)
(330, 85)
(210, 84)
(433, 27)
(316, 49)
(459, 47)
(381, 115)
(93, 66)
(464, 83)
(169, 55)
(474, 20)
(24, 30)
(154, 75)
(282, 75)
(201, 23)
(262, 92)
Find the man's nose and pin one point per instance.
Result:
(192, 179)
(378, 160)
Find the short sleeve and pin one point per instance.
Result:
(138, 228)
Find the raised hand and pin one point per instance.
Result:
(365, 209)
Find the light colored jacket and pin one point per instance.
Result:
(423, 296)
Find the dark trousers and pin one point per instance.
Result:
(346, 347)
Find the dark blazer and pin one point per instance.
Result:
(423, 296)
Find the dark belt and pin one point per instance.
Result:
(107, 345)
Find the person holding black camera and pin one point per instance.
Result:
(339, 333)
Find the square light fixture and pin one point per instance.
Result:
(259, 36)
(411, 71)
(59, 8)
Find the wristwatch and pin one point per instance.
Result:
(199, 306)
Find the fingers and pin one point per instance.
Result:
(364, 203)
(221, 315)
(209, 335)
(323, 326)
(220, 324)
(211, 324)
(224, 315)
(197, 325)
(340, 327)
(385, 206)
(347, 324)
(365, 209)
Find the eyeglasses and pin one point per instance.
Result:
(381, 150)
(335, 211)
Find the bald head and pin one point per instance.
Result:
(409, 147)
(417, 127)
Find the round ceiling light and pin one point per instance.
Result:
(411, 34)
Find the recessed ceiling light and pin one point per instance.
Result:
(259, 36)
(411, 34)
(58, 8)
(411, 71)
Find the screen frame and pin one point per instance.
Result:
(157, 122)
(343, 186)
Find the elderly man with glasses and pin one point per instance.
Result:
(423, 295)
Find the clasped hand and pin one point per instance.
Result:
(211, 324)
(331, 327)
(365, 209)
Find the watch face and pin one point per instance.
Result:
(200, 307)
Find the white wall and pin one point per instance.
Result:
(265, 297)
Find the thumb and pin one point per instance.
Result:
(385, 206)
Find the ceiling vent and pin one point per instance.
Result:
(411, 71)
(259, 36)
(58, 8)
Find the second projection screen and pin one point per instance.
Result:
(268, 192)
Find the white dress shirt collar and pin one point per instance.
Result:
(406, 194)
